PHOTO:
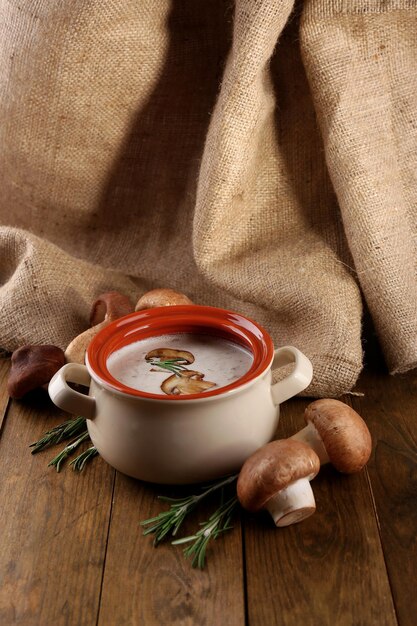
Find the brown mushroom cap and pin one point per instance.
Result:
(110, 306)
(161, 297)
(272, 468)
(187, 382)
(107, 308)
(344, 434)
(182, 356)
(75, 351)
(32, 367)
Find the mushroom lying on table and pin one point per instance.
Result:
(277, 478)
(107, 308)
(110, 306)
(337, 434)
(161, 297)
(33, 367)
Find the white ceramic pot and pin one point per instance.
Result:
(180, 439)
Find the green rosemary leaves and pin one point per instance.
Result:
(62, 432)
(75, 429)
(168, 522)
(82, 459)
(174, 366)
(218, 523)
(67, 451)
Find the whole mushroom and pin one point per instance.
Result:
(33, 367)
(107, 308)
(75, 352)
(110, 306)
(337, 434)
(161, 297)
(277, 478)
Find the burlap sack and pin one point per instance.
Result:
(361, 60)
(176, 144)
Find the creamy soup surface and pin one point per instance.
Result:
(179, 364)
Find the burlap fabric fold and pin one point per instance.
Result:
(258, 157)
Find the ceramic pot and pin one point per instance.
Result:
(185, 438)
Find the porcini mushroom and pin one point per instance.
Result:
(75, 352)
(33, 367)
(110, 306)
(161, 297)
(181, 357)
(277, 478)
(187, 382)
(107, 308)
(337, 434)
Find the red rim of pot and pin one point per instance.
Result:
(177, 319)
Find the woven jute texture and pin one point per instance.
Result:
(260, 157)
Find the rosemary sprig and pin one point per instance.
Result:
(69, 449)
(67, 430)
(172, 365)
(80, 461)
(169, 522)
(218, 523)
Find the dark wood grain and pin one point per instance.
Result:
(71, 556)
(53, 528)
(327, 570)
(152, 586)
(389, 406)
(4, 396)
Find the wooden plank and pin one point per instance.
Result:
(54, 527)
(327, 570)
(390, 409)
(4, 396)
(152, 586)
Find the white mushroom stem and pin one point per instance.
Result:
(311, 437)
(292, 504)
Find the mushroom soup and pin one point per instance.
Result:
(179, 364)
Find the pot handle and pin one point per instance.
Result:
(68, 399)
(299, 378)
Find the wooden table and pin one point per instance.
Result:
(72, 551)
